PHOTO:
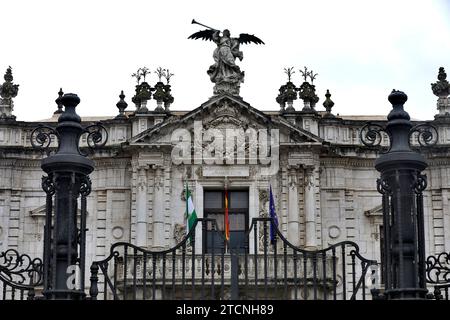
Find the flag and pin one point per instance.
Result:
(191, 215)
(273, 215)
(226, 220)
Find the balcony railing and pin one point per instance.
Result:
(276, 270)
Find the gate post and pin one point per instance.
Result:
(67, 178)
(401, 184)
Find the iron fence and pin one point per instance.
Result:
(260, 268)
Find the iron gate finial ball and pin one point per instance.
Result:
(397, 97)
(70, 100)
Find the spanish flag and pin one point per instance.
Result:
(226, 221)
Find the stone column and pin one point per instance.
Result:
(141, 208)
(309, 207)
(293, 210)
(158, 208)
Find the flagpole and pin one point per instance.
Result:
(186, 214)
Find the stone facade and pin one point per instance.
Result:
(324, 186)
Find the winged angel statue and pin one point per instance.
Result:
(226, 75)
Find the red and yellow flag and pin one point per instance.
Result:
(226, 221)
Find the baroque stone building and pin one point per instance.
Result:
(322, 176)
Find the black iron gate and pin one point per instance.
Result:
(20, 275)
(438, 276)
(259, 269)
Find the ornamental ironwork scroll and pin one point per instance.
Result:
(42, 137)
(20, 268)
(48, 185)
(19, 273)
(383, 187)
(97, 136)
(420, 183)
(371, 134)
(425, 133)
(438, 268)
(438, 274)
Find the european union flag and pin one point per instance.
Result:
(273, 215)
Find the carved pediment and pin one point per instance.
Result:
(40, 212)
(374, 212)
(224, 112)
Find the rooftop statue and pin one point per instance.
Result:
(226, 75)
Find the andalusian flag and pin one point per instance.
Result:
(191, 215)
(226, 220)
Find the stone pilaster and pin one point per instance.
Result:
(293, 210)
(141, 208)
(158, 208)
(309, 207)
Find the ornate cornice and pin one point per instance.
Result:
(17, 163)
(438, 162)
(347, 162)
(112, 162)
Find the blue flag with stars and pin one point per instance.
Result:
(273, 215)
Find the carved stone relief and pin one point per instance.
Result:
(183, 192)
(199, 172)
(253, 171)
(263, 196)
(159, 179)
(117, 232)
(334, 232)
(179, 231)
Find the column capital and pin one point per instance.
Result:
(309, 167)
(141, 169)
(293, 167)
(156, 167)
(140, 165)
(142, 178)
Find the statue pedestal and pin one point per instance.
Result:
(227, 87)
(6, 108)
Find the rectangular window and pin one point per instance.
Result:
(214, 208)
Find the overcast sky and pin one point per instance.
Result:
(360, 49)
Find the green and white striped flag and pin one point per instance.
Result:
(191, 215)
